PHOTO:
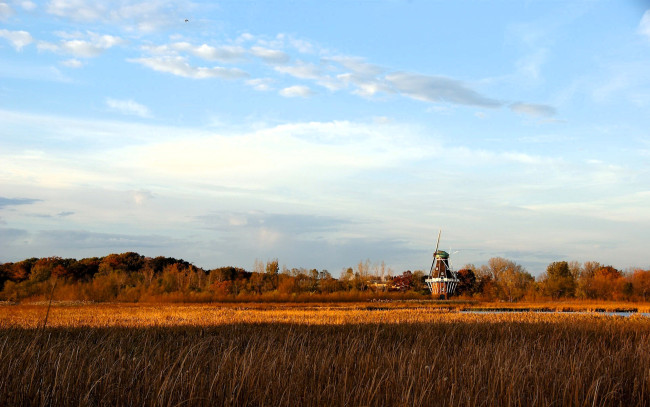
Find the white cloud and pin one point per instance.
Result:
(72, 63)
(438, 89)
(296, 91)
(161, 50)
(310, 71)
(180, 67)
(5, 10)
(368, 170)
(144, 16)
(141, 196)
(303, 154)
(302, 46)
(128, 107)
(91, 47)
(644, 25)
(261, 84)
(333, 73)
(18, 39)
(226, 53)
(77, 9)
(533, 109)
(632, 208)
(358, 65)
(364, 86)
(246, 37)
(28, 5)
(302, 70)
(531, 65)
(306, 154)
(270, 55)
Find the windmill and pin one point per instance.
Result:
(442, 279)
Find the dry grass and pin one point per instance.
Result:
(311, 355)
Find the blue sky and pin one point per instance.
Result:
(326, 133)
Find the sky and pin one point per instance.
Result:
(325, 133)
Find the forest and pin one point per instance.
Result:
(131, 277)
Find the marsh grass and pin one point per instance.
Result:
(324, 357)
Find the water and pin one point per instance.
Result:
(610, 313)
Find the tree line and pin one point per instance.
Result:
(131, 277)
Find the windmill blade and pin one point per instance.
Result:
(434, 254)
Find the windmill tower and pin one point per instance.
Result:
(442, 279)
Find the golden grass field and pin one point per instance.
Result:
(405, 354)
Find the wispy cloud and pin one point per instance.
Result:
(128, 107)
(94, 240)
(333, 72)
(297, 91)
(27, 5)
(358, 65)
(381, 163)
(92, 45)
(533, 109)
(141, 196)
(16, 201)
(261, 84)
(439, 89)
(143, 15)
(310, 71)
(530, 66)
(302, 70)
(180, 67)
(77, 9)
(72, 63)
(290, 223)
(224, 53)
(270, 55)
(364, 86)
(18, 39)
(5, 10)
(644, 25)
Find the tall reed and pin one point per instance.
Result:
(450, 360)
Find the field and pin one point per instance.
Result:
(318, 354)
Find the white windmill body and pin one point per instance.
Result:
(442, 279)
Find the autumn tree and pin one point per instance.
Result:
(585, 280)
(362, 275)
(347, 278)
(559, 281)
(468, 283)
(605, 283)
(418, 281)
(271, 275)
(505, 279)
(403, 282)
(641, 284)
(514, 284)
